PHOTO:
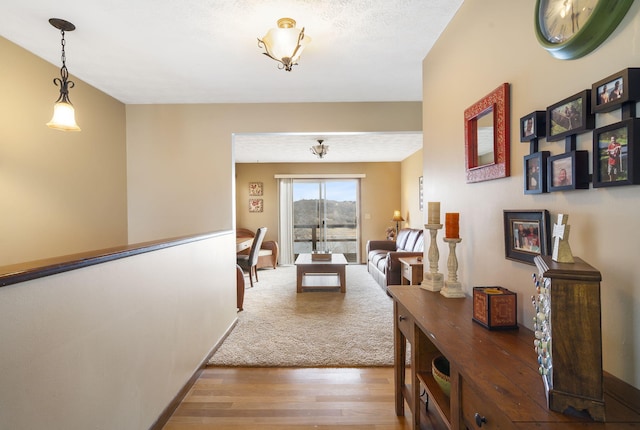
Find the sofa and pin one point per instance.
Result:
(383, 255)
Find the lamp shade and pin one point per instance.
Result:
(285, 43)
(64, 117)
(397, 216)
(319, 150)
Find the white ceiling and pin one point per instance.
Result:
(343, 147)
(205, 51)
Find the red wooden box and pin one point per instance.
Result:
(495, 308)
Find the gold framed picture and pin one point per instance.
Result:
(255, 188)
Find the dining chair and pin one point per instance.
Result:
(250, 262)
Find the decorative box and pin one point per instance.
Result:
(495, 308)
(320, 256)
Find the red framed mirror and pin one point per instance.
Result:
(487, 136)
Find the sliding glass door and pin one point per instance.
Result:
(325, 216)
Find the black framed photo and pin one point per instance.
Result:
(568, 171)
(570, 116)
(526, 234)
(535, 167)
(533, 126)
(616, 153)
(611, 92)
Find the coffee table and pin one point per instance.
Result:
(321, 274)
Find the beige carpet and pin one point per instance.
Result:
(281, 328)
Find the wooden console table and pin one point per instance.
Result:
(494, 374)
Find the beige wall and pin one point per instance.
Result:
(411, 170)
(62, 192)
(382, 179)
(180, 168)
(109, 346)
(604, 222)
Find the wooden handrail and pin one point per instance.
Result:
(21, 272)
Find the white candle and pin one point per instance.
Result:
(433, 214)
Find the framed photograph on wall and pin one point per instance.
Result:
(616, 153)
(570, 116)
(533, 126)
(568, 171)
(535, 166)
(611, 92)
(526, 234)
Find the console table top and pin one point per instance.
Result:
(502, 364)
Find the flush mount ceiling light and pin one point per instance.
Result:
(320, 150)
(64, 117)
(285, 43)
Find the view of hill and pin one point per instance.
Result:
(306, 212)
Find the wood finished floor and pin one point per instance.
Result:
(290, 399)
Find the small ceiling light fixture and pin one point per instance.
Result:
(285, 43)
(320, 150)
(64, 117)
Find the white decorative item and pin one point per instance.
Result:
(452, 288)
(561, 249)
(432, 280)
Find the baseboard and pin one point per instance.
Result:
(173, 405)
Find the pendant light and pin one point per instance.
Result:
(64, 117)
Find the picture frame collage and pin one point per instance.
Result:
(616, 153)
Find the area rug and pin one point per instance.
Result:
(316, 328)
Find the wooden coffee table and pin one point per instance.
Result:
(321, 274)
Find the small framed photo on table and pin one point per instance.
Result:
(526, 234)
(616, 154)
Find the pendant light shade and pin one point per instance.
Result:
(285, 43)
(64, 116)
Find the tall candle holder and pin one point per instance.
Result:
(452, 288)
(432, 280)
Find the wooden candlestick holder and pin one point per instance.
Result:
(432, 280)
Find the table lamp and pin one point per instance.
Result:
(397, 218)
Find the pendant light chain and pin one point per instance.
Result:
(63, 83)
